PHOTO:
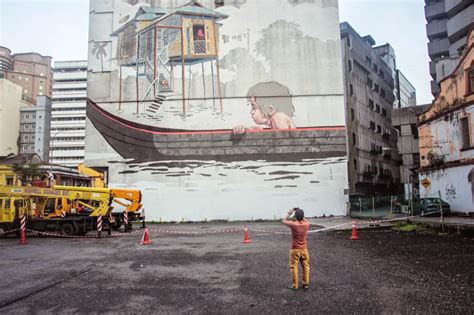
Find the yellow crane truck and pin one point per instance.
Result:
(69, 210)
(129, 199)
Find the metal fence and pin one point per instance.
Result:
(377, 207)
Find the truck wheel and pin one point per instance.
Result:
(117, 224)
(67, 229)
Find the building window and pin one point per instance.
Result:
(377, 108)
(379, 129)
(414, 131)
(351, 89)
(355, 164)
(376, 88)
(354, 139)
(352, 114)
(470, 80)
(371, 103)
(384, 112)
(466, 136)
(9, 181)
(382, 93)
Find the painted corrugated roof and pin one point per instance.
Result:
(155, 10)
(147, 16)
(198, 10)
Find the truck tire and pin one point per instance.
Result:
(67, 229)
(117, 224)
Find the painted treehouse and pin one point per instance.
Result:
(157, 41)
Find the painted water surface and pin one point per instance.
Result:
(197, 190)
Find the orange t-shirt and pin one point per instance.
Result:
(299, 230)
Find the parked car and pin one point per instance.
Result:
(427, 205)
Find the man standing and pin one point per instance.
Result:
(299, 249)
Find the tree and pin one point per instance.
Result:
(27, 172)
(99, 52)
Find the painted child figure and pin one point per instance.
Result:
(299, 249)
(271, 107)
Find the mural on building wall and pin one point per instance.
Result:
(228, 81)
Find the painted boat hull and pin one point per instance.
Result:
(147, 143)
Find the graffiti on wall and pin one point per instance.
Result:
(450, 192)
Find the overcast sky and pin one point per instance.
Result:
(59, 28)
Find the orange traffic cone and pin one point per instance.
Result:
(145, 239)
(246, 236)
(23, 237)
(354, 232)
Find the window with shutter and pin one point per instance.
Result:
(466, 136)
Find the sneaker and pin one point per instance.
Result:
(305, 287)
(292, 288)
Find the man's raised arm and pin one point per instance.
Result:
(285, 219)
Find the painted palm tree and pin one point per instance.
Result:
(99, 52)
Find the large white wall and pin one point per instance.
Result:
(198, 190)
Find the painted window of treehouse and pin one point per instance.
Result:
(199, 36)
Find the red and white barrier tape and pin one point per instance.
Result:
(10, 231)
(225, 230)
(77, 236)
(196, 232)
(348, 223)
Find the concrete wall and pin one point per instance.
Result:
(294, 44)
(456, 185)
(10, 103)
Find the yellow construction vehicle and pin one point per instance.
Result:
(130, 199)
(69, 210)
(92, 173)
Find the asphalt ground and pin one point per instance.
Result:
(213, 272)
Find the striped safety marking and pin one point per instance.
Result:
(99, 223)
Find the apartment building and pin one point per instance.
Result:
(68, 112)
(448, 24)
(31, 71)
(35, 122)
(369, 73)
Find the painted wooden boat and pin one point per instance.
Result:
(145, 143)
